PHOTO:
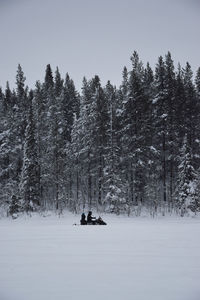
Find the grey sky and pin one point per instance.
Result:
(88, 37)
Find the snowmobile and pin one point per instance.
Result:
(91, 221)
(98, 221)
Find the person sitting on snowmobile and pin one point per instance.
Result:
(90, 219)
(83, 220)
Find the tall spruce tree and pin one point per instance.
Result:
(115, 196)
(100, 136)
(39, 112)
(171, 125)
(87, 156)
(187, 192)
(161, 134)
(29, 185)
(10, 145)
(190, 106)
(151, 152)
(133, 135)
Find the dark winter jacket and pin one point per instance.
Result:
(83, 220)
(90, 219)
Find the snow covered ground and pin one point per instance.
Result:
(130, 259)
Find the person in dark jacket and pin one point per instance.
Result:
(90, 219)
(83, 219)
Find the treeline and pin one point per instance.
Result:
(118, 150)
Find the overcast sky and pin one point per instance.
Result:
(88, 37)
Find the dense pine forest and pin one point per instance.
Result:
(120, 150)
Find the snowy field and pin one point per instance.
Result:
(130, 259)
